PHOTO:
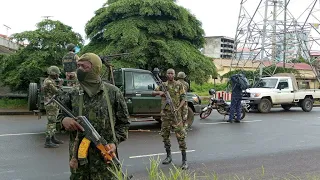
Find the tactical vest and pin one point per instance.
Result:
(69, 62)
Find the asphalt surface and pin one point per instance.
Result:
(264, 146)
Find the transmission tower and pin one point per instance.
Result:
(269, 33)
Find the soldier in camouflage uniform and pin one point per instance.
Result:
(69, 62)
(178, 96)
(93, 104)
(51, 88)
(181, 76)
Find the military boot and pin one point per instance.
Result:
(184, 160)
(168, 159)
(55, 140)
(50, 144)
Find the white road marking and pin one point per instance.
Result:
(229, 123)
(20, 134)
(149, 155)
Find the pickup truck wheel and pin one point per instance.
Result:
(264, 105)
(190, 117)
(286, 106)
(32, 96)
(307, 105)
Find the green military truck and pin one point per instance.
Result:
(136, 86)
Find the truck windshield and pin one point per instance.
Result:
(266, 83)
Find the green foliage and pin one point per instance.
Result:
(46, 47)
(203, 89)
(6, 103)
(156, 33)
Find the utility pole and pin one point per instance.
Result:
(7, 27)
(46, 17)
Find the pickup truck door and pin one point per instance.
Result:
(138, 93)
(285, 93)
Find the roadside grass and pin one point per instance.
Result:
(175, 173)
(7, 103)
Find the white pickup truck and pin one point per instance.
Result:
(280, 89)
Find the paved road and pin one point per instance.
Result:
(278, 144)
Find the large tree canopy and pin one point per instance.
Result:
(45, 47)
(156, 33)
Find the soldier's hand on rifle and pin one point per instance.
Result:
(111, 148)
(161, 93)
(60, 82)
(71, 124)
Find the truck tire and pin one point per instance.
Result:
(286, 106)
(158, 119)
(190, 118)
(264, 106)
(32, 96)
(307, 104)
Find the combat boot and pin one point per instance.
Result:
(184, 160)
(55, 140)
(50, 144)
(168, 159)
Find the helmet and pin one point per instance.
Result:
(70, 47)
(212, 91)
(53, 70)
(181, 75)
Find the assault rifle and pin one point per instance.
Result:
(166, 93)
(106, 61)
(91, 135)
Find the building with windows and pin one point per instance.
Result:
(221, 47)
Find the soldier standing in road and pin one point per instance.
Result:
(91, 99)
(69, 62)
(178, 96)
(181, 76)
(51, 88)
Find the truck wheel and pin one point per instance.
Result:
(32, 96)
(307, 105)
(286, 106)
(264, 105)
(190, 117)
(158, 119)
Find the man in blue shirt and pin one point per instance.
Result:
(236, 98)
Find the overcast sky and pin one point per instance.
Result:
(217, 17)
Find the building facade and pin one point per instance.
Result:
(220, 47)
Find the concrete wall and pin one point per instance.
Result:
(8, 44)
(212, 47)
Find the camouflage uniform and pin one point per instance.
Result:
(177, 94)
(52, 109)
(184, 112)
(50, 88)
(96, 110)
(69, 62)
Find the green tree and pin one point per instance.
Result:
(156, 33)
(45, 47)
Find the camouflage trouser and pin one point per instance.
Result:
(235, 107)
(52, 111)
(184, 113)
(169, 121)
(71, 76)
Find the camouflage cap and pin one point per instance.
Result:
(53, 70)
(70, 47)
(95, 61)
(181, 75)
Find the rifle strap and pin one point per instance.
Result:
(74, 161)
(106, 94)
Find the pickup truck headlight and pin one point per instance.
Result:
(255, 94)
